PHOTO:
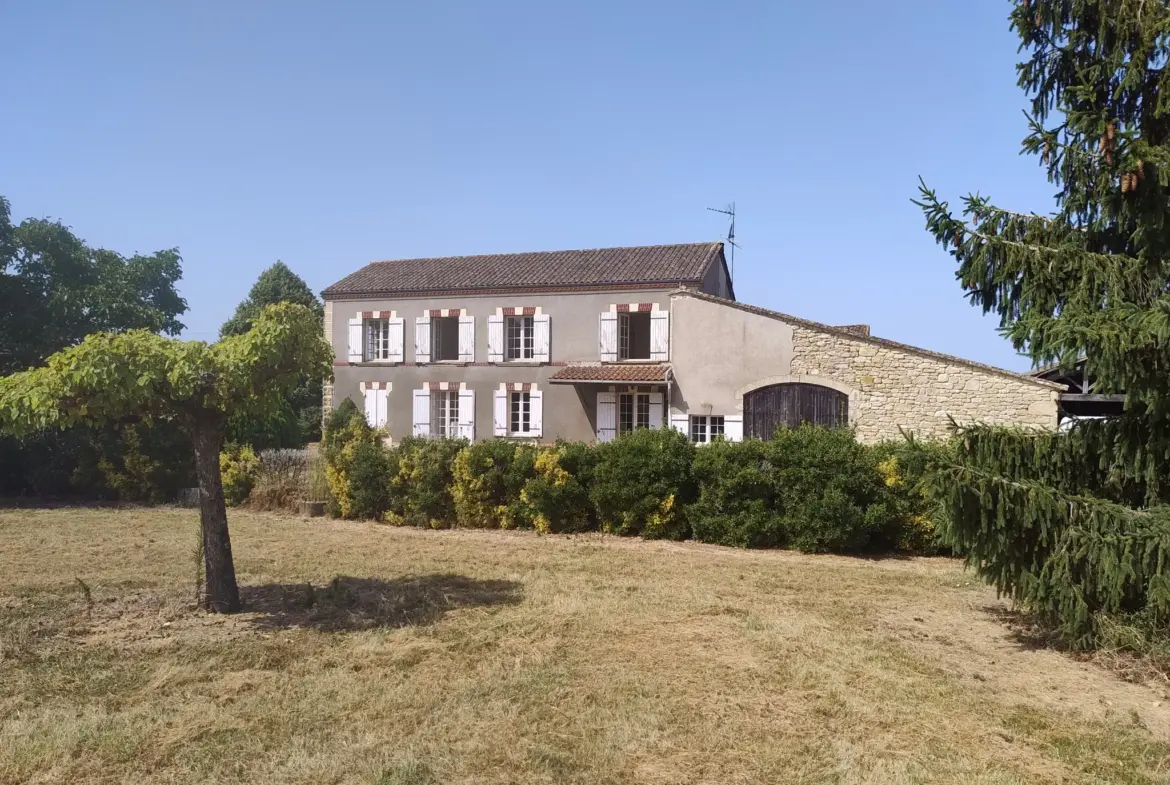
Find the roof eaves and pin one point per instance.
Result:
(332, 293)
(825, 328)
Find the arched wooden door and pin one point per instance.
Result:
(789, 405)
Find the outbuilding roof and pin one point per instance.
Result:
(666, 266)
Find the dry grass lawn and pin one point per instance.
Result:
(494, 657)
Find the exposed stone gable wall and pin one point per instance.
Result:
(890, 387)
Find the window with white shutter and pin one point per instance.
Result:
(422, 339)
(466, 339)
(607, 336)
(495, 339)
(659, 336)
(467, 415)
(542, 338)
(422, 412)
(377, 405)
(733, 428)
(355, 341)
(606, 416)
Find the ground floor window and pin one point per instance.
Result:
(445, 413)
(706, 428)
(633, 411)
(520, 414)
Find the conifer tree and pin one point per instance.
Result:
(1074, 525)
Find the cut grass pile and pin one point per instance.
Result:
(371, 654)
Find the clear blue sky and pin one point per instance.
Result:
(331, 134)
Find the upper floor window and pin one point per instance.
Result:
(377, 340)
(375, 336)
(444, 338)
(521, 338)
(634, 336)
(634, 331)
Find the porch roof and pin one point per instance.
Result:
(596, 373)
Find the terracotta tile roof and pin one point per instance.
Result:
(849, 333)
(620, 372)
(665, 265)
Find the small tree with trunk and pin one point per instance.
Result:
(139, 374)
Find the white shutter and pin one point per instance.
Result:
(681, 423)
(495, 339)
(541, 338)
(382, 416)
(371, 399)
(355, 340)
(659, 336)
(607, 337)
(467, 414)
(606, 416)
(536, 413)
(466, 339)
(655, 410)
(397, 340)
(422, 339)
(422, 412)
(500, 413)
(733, 428)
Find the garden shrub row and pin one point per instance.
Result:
(809, 488)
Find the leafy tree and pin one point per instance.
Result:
(1053, 519)
(112, 376)
(297, 419)
(55, 290)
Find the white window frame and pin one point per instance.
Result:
(438, 326)
(376, 343)
(520, 413)
(705, 428)
(639, 403)
(445, 414)
(519, 338)
(623, 353)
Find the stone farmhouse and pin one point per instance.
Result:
(586, 345)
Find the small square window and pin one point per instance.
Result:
(706, 429)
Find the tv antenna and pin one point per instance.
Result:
(729, 211)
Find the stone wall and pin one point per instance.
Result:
(891, 387)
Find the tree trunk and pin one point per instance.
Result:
(221, 595)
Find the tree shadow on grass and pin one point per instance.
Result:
(348, 604)
(1025, 629)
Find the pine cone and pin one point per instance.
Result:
(1110, 131)
(1140, 171)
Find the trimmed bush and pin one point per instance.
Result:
(489, 478)
(643, 482)
(556, 499)
(737, 504)
(421, 478)
(239, 467)
(357, 469)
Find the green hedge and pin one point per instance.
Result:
(809, 488)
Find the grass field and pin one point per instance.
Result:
(492, 657)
